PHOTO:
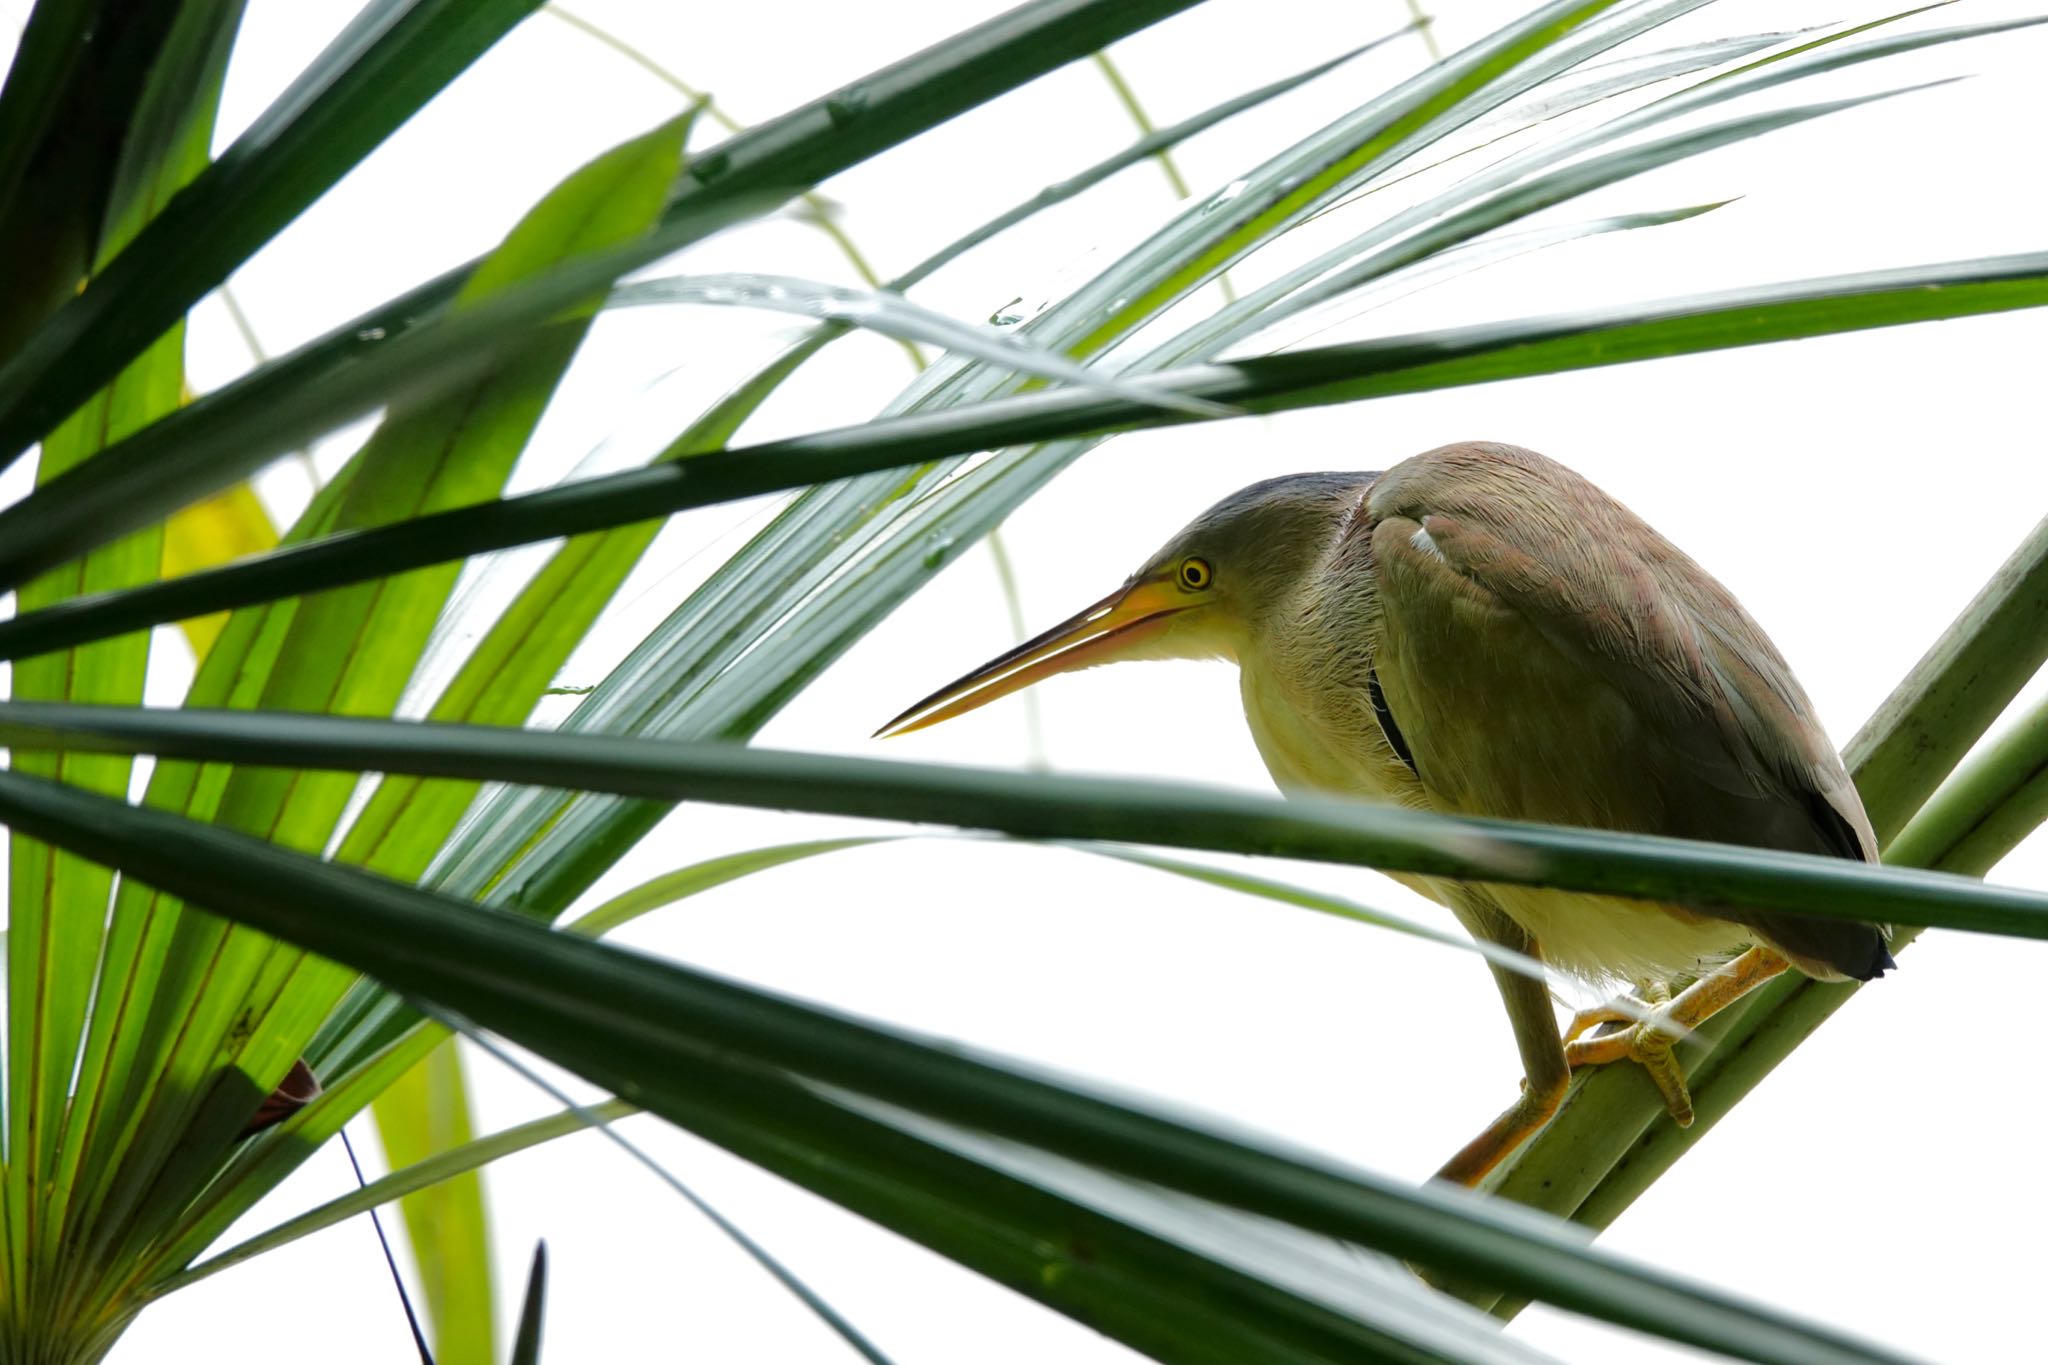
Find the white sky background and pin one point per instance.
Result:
(1854, 492)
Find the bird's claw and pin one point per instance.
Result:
(1647, 1039)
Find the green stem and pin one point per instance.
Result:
(1129, 99)
(820, 209)
(1425, 28)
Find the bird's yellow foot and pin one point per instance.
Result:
(1651, 1030)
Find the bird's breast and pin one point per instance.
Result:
(1320, 735)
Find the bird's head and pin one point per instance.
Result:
(1206, 594)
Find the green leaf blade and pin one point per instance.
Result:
(392, 59)
(58, 905)
(230, 1010)
(1415, 363)
(696, 1046)
(425, 1114)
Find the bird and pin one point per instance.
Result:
(1480, 631)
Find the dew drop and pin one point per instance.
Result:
(1226, 194)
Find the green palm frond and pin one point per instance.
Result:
(305, 874)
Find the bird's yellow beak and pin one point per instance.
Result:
(1100, 634)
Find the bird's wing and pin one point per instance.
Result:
(1717, 723)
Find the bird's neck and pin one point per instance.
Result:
(1304, 682)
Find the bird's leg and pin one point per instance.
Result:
(1623, 1009)
(1544, 1076)
(1650, 1037)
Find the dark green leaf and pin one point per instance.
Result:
(410, 348)
(57, 903)
(73, 91)
(689, 1045)
(526, 1345)
(1043, 806)
(394, 57)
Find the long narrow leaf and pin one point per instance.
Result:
(410, 348)
(395, 57)
(1152, 144)
(533, 1310)
(1308, 378)
(410, 1179)
(629, 1022)
(425, 1114)
(1055, 807)
(56, 903)
(1155, 1283)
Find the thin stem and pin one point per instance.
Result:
(1425, 28)
(787, 1278)
(1006, 578)
(261, 356)
(412, 1319)
(819, 210)
(1128, 97)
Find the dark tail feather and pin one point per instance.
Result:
(1831, 949)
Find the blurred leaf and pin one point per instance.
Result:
(701, 1050)
(227, 526)
(424, 1114)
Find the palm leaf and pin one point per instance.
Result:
(411, 348)
(375, 75)
(674, 1038)
(1415, 363)
(1042, 806)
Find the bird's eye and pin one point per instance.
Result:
(1195, 574)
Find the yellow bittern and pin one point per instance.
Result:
(1480, 631)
